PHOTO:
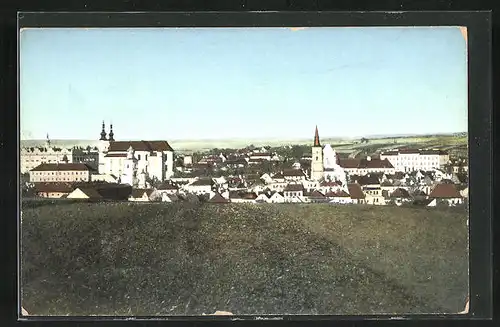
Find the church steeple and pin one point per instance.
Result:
(111, 134)
(316, 138)
(103, 132)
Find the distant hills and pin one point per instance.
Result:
(193, 145)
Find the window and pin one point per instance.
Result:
(139, 156)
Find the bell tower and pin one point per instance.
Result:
(317, 158)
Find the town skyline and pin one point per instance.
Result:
(247, 83)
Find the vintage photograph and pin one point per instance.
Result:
(243, 171)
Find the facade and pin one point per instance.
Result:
(31, 157)
(62, 172)
(416, 159)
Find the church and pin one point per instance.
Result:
(137, 163)
(325, 164)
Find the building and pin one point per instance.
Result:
(325, 163)
(129, 159)
(89, 156)
(62, 172)
(367, 165)
(447, 193)
(317, 158)
(294, 193)
(31, 157)
(416, 159)
(53, 190)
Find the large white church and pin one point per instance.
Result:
(325, 163)
(137, 163)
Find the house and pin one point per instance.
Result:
(246, 197)
(278, 177)
(262, 198)
(447, 193)
(356, 193)
(266, 178)
(317, 197)
(290, 175)
(277, 186)
(200, 186)
(62, 172)
(294, 193)
(339, 197)
(400, 196)
(218, 199)
(101, 191)
(277, 197)
(88, 193)
(140, 195)
(260, 156)
(168, 188)
(52, 190)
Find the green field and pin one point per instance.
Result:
(180, 259)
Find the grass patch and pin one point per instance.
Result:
(181, 259)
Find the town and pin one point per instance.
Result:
(151, 171)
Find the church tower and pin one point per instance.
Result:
(317, 158)
(111, 134)
(103, 149)
(129, 175)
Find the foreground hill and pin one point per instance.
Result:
(149, 259)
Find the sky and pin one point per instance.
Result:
(227, 83)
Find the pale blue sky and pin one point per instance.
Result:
(241, 82)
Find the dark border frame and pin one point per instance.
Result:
(480, 113)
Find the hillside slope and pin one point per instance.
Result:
(149, 259)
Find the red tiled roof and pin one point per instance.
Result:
(349, 163)
(53, 187)
(63, 167)
(355, 191)
(368, 180)
(375, 164)
(217, 198)
(122, 146)
(400, 193)
(317, 194)
(445, 191)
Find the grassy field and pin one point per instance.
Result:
(157, 259)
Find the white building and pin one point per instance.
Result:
(154, 158)
(416, 159)
(31, 157)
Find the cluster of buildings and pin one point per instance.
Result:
(144, 171)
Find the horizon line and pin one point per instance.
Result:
(262, 139)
